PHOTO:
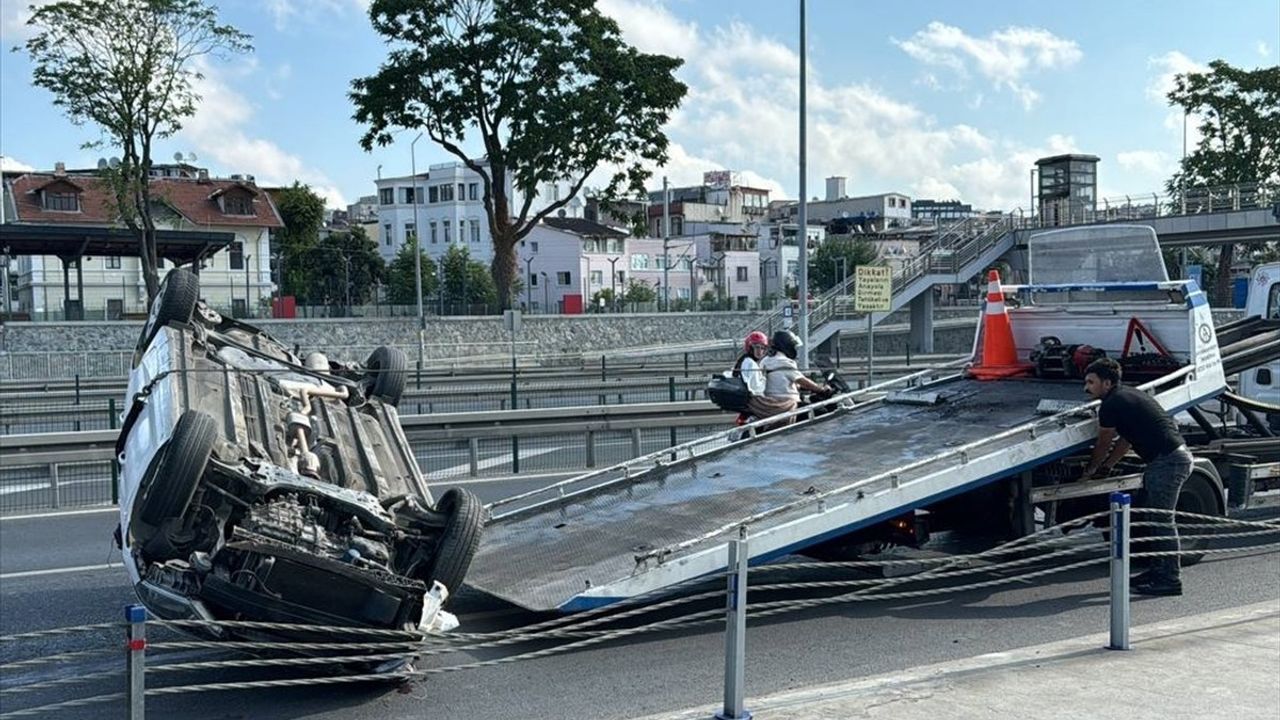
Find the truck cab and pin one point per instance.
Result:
(1263, 383)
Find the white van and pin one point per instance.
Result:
(1263, 383)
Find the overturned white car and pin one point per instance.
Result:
(256, 485)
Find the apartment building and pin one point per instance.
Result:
(447, 200)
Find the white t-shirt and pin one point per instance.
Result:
(781, 374)
(752, 375)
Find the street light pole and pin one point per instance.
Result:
(666, 241)
(546, 292)
(417, 250)
(248, 301)
(613, 283)
(528, 286)
(803, 235)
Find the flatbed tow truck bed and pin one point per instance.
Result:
(799, 487)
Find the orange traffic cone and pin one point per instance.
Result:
(999, 356)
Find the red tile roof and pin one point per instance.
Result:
(195, 200)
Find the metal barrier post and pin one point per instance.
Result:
(136, 615)
(53, 485)
(735, 634)
(1119, 571)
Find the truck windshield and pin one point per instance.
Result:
(1098, 254)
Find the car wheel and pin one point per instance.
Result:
(185, 458)
(387, 367)
(1197, 496)
(459, 540)
(175, 302)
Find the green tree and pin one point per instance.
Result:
(402, 285)
(836, 258)
(345, 269)
(548, 88)
(302, 212)
(466, 282)
(639, 291)
(1239, 113)
(606, 295)
(126, 66)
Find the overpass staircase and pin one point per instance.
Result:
(955, 255)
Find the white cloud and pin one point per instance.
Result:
(13, 19)
(1263, 49)
(1150, 162)
(741, 114)
(1168, 66)
(1005, 57)
(287, 14)
(8, 164)
(220, 132)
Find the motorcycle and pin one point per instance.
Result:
(730, 393)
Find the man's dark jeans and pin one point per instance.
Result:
(1163, 480)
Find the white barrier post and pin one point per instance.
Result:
(1119, 571)
(735, 635)
(136, 615)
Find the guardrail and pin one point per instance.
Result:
(77, 469)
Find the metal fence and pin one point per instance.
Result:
(76, 672)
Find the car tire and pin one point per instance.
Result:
(387, 367)
(175, 479)
(459, 540)
(174, 302)
(1197, 496)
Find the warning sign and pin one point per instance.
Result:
(874, 290)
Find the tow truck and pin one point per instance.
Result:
(938, 440)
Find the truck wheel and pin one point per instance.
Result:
(1197, 496)
(176, 477)
(459, 540)
(387, 366)
(175, 302)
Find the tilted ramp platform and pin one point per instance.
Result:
(793, 488)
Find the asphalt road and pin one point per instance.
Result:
(636, 676)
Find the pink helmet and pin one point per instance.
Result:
(754, 338)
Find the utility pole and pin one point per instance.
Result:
(417, 250)
(666, 241)
(803, 235)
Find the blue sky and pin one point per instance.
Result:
(935, 99)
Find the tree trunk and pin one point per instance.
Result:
(503, 267)
(1222, 291)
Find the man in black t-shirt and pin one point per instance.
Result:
(1131, 418)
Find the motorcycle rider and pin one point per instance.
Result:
(783, 379)
(747, 367)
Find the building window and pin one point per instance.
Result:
(433, 194)
(677, 225)
(62, 201)
(792, 266)
(433, 233)
(462, 231)
(386, 233)
(597, 277)
(113, 262)
(639, 261)
(472, 190)
(236, 257)
(446, 193)
(448, 236)
(410, 231)
(659, 262)
(462, 192)
(533, 279)
(475, 231)
(534, 246)
(682, 293)
(742, 274)
(622, 277)
(408, 195)
(387, 196)
(237, 204)
(563, 278)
